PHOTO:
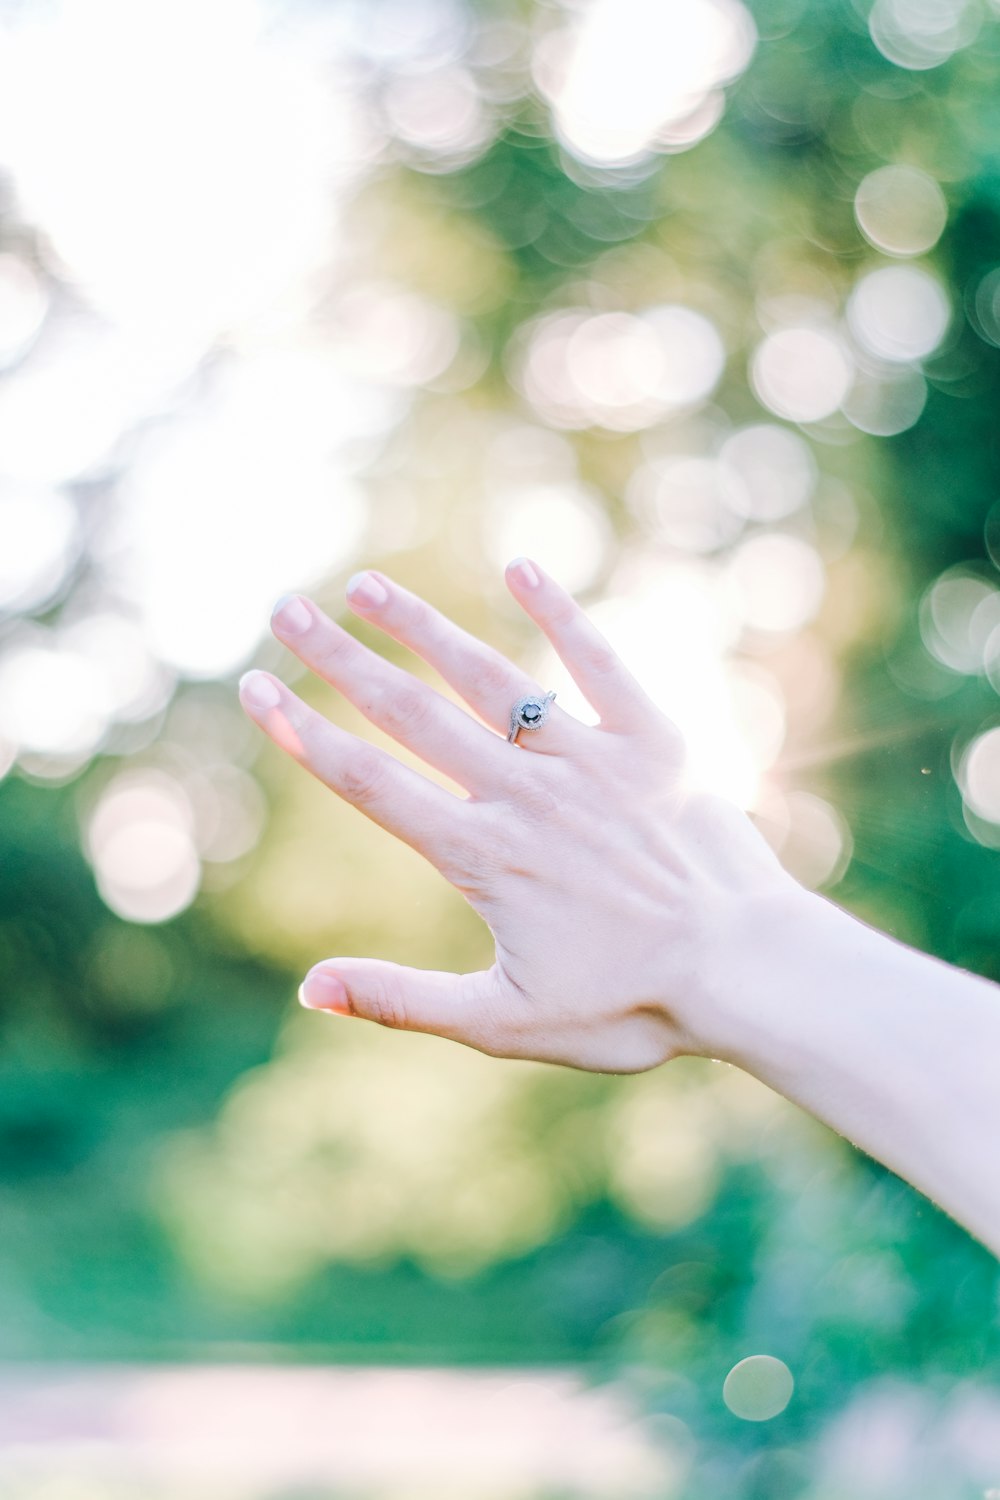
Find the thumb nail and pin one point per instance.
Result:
(323, 990)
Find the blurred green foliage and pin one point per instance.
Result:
(190, 1167)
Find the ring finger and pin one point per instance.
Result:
(426, 816)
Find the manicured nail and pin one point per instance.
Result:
(322, 990)
(259, 691)
(364, 589)
(526, 574)
(291, 615)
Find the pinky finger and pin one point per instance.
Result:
(592, 662)
(422, 814)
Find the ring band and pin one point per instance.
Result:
(528, 713)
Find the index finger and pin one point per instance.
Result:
(424, 815)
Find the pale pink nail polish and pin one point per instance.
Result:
(259, 691)
(525, 572)
(291, 615)
(322, 990)
(364, 589)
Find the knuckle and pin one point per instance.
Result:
(495, 1030)
(472, 860)
(713, 814)
(493, 677)
(598, 657)
(361, 778)
(489, 1035)
(422, 623)
(384, 1005)
(536, 796)
(564, 611)
(419, 617)
(402, 709)
(335, 653)
(510, 1029)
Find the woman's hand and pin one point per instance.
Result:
(634, 918)
(605, 880)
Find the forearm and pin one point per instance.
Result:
(897, 1051)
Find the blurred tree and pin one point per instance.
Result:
(642, 301)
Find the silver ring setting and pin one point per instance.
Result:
(528, 713)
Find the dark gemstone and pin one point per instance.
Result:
(532, 712)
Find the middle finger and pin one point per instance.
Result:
(485, 678)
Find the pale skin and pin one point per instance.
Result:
(635, 919)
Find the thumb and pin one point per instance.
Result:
(463, 1007)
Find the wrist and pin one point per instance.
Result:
(881, 1042)
(757, 979)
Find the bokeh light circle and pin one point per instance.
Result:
(985, 307)
(228, 811)
(632, 75)
(52, 701)
(693, 353)
(958, 613)
(809, 835)
(438, 112)
(140, 841)
(979, 775)
(779, 581)
(394, 335)
(136, 685)
(921, 34)
(758, 1388)
(684, 502)
(900, 210)
(769, 472)
(622, 371)
(886, 401)
(564, 526)
(899, 313)
(802, 374)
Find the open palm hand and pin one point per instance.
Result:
(602, 875)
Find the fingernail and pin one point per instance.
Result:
(525, 572)
(322, 990)
(364, 589)
(291, 615)
(258, 690)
